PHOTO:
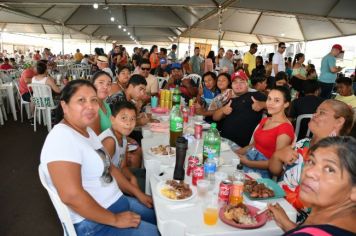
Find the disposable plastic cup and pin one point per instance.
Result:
(203, 187)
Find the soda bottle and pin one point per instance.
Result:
(175, 125)
(176, 96)
(236, 191)
(211, 144)
(209, 170)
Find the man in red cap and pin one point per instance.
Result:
(328, 71)
(240, 116)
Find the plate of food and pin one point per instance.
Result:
(262, 189)
(177, 191)
(160, 110)
(162, 151)
(242, 216)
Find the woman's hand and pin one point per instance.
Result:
(127, 219)
(145, 200)
(280, 217)
(287, 155)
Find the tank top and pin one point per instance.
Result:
(120, 151)
(42, 81)
(105, 122)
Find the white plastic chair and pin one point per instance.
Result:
(195, 77)
(23, 103)
(42, 98)
(61, 208)
(299, 121)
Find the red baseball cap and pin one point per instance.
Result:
(239, 74)
(337, 46)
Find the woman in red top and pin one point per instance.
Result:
(154, 59)
(271, 134)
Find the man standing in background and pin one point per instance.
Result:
(250, 60)
(196, 61)
(278, 63)
(328, 71)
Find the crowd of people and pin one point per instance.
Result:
(254, 104)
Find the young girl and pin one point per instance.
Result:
(273, 133)
(115, 141)
(224, 85)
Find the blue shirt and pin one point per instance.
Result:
(326, 76)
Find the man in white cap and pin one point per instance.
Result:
(103, 63)
(328, 71)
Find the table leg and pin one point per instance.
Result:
(10, 94)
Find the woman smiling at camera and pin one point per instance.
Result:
(329, 187)
(77, 167)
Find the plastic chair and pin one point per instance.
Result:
(42, 98)
(61, 209)
(23, 103)
(299, 121)
(195, 77)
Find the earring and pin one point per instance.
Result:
(332, 134)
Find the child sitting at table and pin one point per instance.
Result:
(114, 140)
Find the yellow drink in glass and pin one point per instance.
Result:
(210, 216)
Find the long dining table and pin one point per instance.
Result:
(186, 218)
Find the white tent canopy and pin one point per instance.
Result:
(243, 21)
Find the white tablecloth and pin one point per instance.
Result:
(187, 218)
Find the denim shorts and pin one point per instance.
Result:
(254, 155)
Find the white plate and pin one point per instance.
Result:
(163, 156)
(162, 184)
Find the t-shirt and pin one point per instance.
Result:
(105, 122)
(319, 230)
(172, 55)
(326, 76)
(240, 124)
(279, 60)
(266, 140)
(120, 151)
(6, 67)
(152, 84)
(208, 96)
(349, 100)
(196, 61)
(78, 57)
(226, 64)
(304, 105)
(65, 144)
(250, 59)
(154, 60)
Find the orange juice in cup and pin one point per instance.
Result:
(210, 216)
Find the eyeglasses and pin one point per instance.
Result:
(106, 177)
(144, 68)
(283, 47)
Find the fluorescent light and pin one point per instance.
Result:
(95, 5)
(124, 30)
(282, 34)
(119, 26)
(112, 19)
(128, 33)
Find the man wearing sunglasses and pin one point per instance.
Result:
(278, 60)
(152, 82)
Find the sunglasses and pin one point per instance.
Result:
(144, 68)
(284, 47)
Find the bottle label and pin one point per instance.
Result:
(176, 98)
(176, 124)
(209, 168)
(215, 150)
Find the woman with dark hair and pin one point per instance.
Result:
(220, 56)
(272, 133)
(145, 54)
(209, 63)
(299, 74)
(42, 77)
(226, 93)
(80, 171)
(102, 82)
(332, 118)
(328, 186)
(187, 68)
(154, 59)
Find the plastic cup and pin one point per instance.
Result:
(219, 176)
(211, 210)
(203, 187)
(154, 101)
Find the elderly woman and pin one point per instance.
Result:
(332, 118)
(79, 170)
(328, 186)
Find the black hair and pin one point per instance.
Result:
(253, 45)
(281, 44)
(211, 55)
(226, 75)
(344, 80)
(144, 51)
(123, 68)
(270, 57)
(196, 48)
(164, 50)
(285, 91)
(257, 77)
(86, 56)
(310, 86)
(186, 59)
(297, 57)
(98, 74)
(281, 76)
(41, 67)
(137, 80)
(174, 46)
(12, 59)
(145, 61)
(153, 49)
(67, 93)
(345, 148)
(212, 74)
(117, 107)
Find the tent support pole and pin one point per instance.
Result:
(178, 49)
(63, 41)
(219, 26)
(189, 43)
(90, 45)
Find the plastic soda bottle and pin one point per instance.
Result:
(175, 125)
(176, 96)
(236, 191)
(212, 142)
(209, 170)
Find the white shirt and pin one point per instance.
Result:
(42, 81)
(65, 144)
(120, 151)
(278, 59)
